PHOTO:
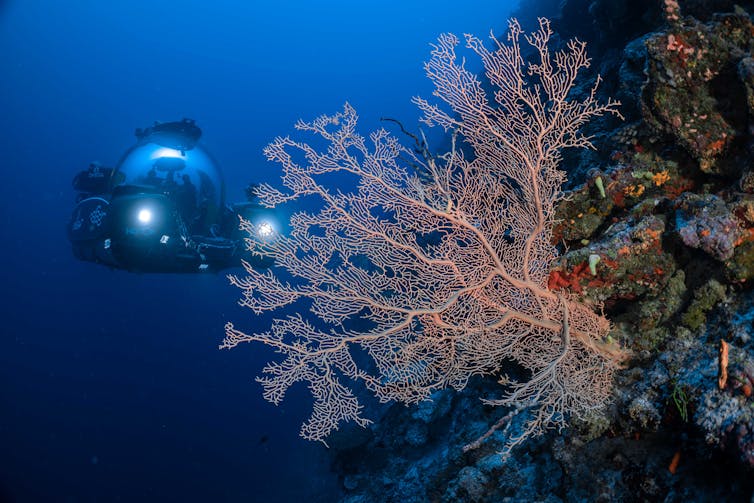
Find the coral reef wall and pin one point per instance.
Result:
(658, 228)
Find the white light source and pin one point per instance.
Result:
(167, 152)
(265, 230)
(144, 216)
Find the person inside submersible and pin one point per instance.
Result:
(162, 208)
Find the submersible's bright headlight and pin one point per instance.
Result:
(265, 230)
(144, 216)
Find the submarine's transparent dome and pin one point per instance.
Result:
(168, 169)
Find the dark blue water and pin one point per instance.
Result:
(111, 384)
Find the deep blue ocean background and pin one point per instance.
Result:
(111, 384)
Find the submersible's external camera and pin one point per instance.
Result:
(162, 208)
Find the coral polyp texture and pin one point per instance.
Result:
(428, 270)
